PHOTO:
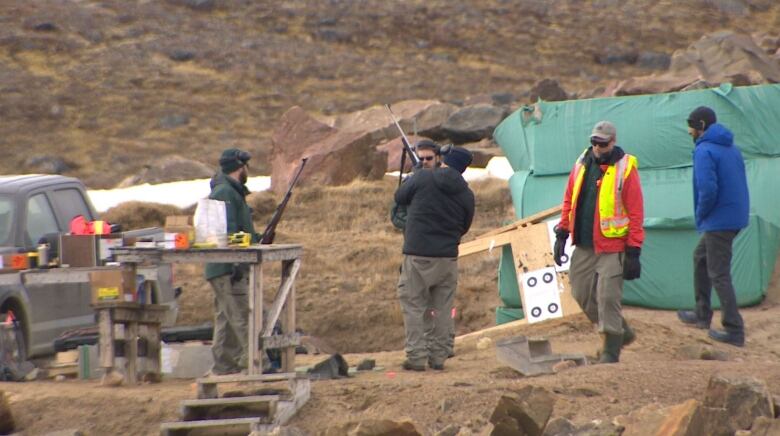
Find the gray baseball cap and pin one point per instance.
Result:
(603, 130)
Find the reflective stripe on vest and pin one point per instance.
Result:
(613, 218)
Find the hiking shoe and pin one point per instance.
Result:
(436, 366)
(409, 366)
(731, 338)
(690, 318)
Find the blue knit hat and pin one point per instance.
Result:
(457, 157)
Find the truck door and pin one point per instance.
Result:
(54, 307)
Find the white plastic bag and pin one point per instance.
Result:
(211, 222)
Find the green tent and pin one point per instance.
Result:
(543, 141)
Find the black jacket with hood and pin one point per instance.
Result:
(440, 210)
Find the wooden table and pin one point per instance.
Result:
(140, 321)
(258, 328)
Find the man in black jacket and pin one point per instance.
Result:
(440, 210)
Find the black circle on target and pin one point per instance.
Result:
(564, 258)
(547, 277)
(552, 308)
(536, 312)
(531, 282)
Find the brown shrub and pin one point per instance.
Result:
(139, 215)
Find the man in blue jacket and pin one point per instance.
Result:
(721, 205)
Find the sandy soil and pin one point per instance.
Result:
(653, 370)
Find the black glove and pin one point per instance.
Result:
(559, 250)
(631, 265)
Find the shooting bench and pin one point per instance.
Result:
(253, 411)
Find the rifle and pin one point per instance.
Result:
(404, 140)
(270, 230)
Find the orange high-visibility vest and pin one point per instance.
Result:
(612, 214)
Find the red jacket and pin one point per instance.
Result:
(632, 201)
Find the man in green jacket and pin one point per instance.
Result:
(231, 281)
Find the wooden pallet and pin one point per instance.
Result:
(243, 414)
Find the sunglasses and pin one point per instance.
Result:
(600, 144)
(426, 158)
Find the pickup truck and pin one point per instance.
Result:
(47, 302)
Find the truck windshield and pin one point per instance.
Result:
(6, 219)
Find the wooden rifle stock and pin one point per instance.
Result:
(270, 230)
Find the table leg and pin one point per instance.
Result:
(255, 322)
(153, 346)
(131, 346)
(106, 340)
(288, 320)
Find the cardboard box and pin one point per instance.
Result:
(180, 224)
(116, 284)
(79, 250)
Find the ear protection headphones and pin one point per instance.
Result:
(242, 157)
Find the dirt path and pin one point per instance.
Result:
(653, 370)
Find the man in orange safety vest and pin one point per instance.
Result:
(603, 212)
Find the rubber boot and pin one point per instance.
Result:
(628, 335)
(611, 351)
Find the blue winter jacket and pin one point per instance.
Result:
(720, 191)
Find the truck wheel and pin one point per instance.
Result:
(12, 344)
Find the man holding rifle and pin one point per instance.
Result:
(440, 209)
(229, 281)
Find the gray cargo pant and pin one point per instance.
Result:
(597, 285)
(231, 315)
(426, 289)
(712, 269)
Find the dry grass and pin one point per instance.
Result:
(346, 290)
(139, 215)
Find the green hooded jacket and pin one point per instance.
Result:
(239, 216)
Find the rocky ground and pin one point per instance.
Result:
(90, 87)
(662, 369)
(101, 90)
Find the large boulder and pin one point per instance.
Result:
(525, 412)
(690, 418)
(718, 57)
(169, 169)
(473, 123)
(744, 398)
(548, 90)
(336, 157)
(394, 148)
(424, 115)
(373, 427)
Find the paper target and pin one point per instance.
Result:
(567, 251)
(541, 295)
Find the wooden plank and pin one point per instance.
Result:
(66, 369)
(247, 425)
(484, 243)
(287, 409)
(238, 378)
(282, 341)
(289, 272)
(235, 407)
(531, 219)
